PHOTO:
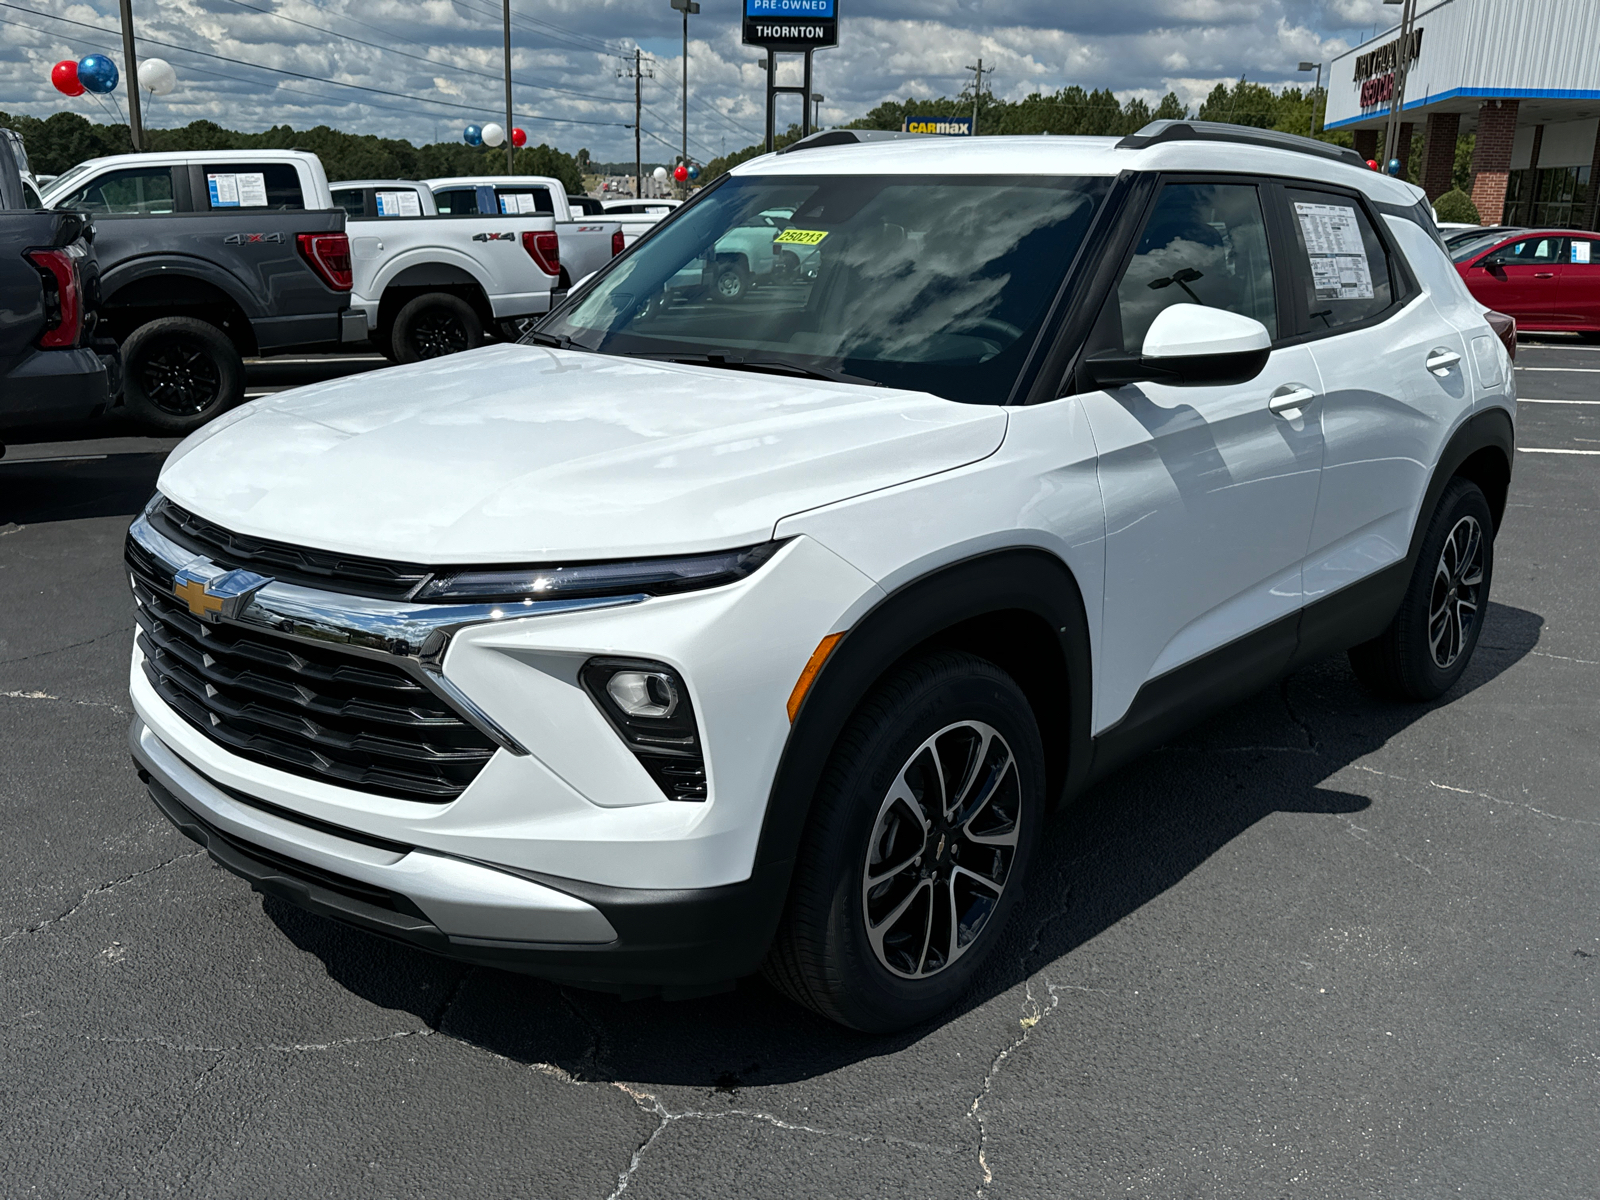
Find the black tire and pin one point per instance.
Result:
(178, 373)
(1428, 645)
(919, 724)
(730, 283)
(434, 325)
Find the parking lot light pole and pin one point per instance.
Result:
(816, 98)
(511, 149)
(1315, 92)
(686, 7)
(131, 68)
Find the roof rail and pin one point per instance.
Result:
(847, 137)
(1158, 132)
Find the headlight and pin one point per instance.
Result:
(648, 705)
(650, 576)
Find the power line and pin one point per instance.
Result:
(360, 87)
(709, 108)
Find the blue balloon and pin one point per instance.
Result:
(472, 135)
(97, 73)
(1394, 163)
(694, 172)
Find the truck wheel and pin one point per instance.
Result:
(178, 373)
(1431, 639)
(731, 283)
(918, 846)
(434, 325)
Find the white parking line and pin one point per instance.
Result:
(1542, 450)
(1565, 370)
(1528, 400)
(14, 461)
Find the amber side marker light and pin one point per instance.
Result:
(809, 675)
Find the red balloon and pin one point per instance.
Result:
(1372, 164)
(680, 172)
(65, 76)
(519, 137)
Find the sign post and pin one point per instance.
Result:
(790, 27)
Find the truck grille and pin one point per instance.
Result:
(313, 711)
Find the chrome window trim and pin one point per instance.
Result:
(413, 637)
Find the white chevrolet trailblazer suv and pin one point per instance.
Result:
(690, 638)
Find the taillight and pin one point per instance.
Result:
(329, 256)
(545, 250)
(63, 297)
(616, 243)
(1506, 326)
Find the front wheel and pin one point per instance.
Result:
(1428, 645)
(434, 325)
(920, 838)
(178, 373)
(731, 283)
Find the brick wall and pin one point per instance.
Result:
(1491, 158)
(1439, 152)
(1367, 143)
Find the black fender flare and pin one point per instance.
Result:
(172, 269)
(1025, 580)
(1489, 430)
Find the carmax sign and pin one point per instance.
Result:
(950, 126)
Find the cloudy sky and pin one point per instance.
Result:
(425, 68)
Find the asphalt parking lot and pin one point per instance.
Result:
(1320, 947)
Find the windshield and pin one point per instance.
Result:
(934, 285)
(1470, 247)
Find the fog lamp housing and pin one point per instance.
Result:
(648, 705)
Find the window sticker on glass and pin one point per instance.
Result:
(518, 202)
(246, 190)
(1580, 251)
(1339, 268)
(399, 204)
(801, 237)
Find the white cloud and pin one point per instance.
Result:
(436, 63)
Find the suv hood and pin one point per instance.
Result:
(521, 453)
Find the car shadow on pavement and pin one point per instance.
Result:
(1128, 841)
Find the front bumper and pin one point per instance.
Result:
(632, 941)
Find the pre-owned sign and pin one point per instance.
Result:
(791, 24)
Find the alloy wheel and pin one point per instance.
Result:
(438, 332)
(942, 849)
(180, 378)
(1457, 581)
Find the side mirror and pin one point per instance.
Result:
(1189, 345)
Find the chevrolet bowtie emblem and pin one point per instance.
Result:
(215, 597)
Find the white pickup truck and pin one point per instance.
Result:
(432, 284)
(587, 243)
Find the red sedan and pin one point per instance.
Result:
(1548, 279)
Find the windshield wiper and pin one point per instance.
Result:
(559, 340)
(767, 366)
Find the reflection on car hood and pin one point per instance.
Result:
(519, 453)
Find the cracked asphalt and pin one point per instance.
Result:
(1319, 947)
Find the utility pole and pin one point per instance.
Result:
(638, 74)
(1397, 101)
(977, 91)
(511, 150)
(131, 68)
(686, 7)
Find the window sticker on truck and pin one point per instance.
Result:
(245, 190)
(801, 237)
(399, 204)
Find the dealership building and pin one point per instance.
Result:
(1524, 75)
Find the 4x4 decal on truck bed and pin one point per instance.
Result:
(244, 239)
(494, 237)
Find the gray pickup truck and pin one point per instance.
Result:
(207, 257)
(50, 368)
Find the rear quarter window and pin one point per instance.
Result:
(271, 186)
(1343, 267)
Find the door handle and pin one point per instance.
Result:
(1289, 400)
(1440, 360)
(1544, 274)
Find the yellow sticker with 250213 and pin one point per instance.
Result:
(800, 237)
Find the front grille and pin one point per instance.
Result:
(325, 569)
(311, 710)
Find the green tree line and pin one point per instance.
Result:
(65, 139)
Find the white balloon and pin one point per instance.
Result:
(157, 77)
(660, 172)
(493, 135)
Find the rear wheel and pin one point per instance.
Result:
(434, 325)
(1428, 645)
(731, 282)
(179, 372)
(919, 843)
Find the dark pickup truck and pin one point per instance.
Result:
(50, 369)
(206, 258)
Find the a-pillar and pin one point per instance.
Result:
(1367, 143)
(1491, 159)
(1403, 150)
(1439, 152)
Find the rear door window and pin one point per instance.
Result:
(457, 202)
(1204, 243)
(352, 200)
(271, 186)
(136, 191)
(1343, 268)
